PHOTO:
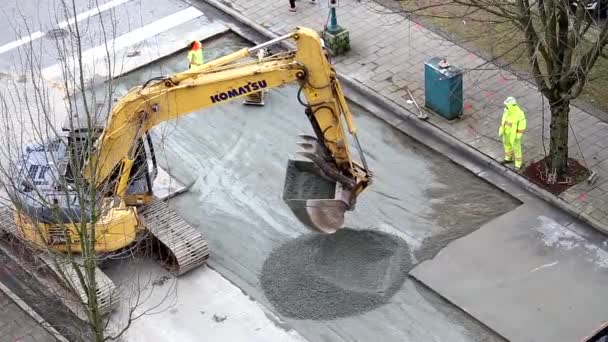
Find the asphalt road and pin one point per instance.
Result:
(25, 18)
(236, 156)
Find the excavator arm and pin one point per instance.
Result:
(231, 77)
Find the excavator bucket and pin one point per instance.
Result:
(317, 202)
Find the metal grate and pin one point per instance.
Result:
(57, 235)
(57, 33)
(53, 146)
(32, 171)
(43, 171)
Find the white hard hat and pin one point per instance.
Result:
(510, 101)
(322, 42)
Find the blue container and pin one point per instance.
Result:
(443, 88)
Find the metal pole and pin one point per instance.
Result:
(333, 24)
(269, 43)
(363, 161)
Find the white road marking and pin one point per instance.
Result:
(145, 32)
(90, 13)
(20, 41)
(92, 55)
(80, 17)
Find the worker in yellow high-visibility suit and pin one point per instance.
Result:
(512, 130)
(195, 54)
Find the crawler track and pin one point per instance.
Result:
(64, 269)
(182, 247)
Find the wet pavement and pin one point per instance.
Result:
(237, 155)
(43, 301)
(17, 325)
(199, 303)
(120, 17)
(351, 286)
(524, 263)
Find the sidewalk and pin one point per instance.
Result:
(388, 53)
(16, 325)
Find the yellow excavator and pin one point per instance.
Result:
(121, 167)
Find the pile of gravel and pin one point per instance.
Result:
(331, 276)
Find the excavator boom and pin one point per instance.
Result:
(319, 192)
(64, 189)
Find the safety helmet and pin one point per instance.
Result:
(510, 101)
(193, 43)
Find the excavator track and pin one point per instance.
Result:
(182, 247)
(7, 222)
(63, 268)
(107, 296)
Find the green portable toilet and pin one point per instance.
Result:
(443, 88)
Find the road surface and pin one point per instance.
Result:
(356, 287)
(236, 156)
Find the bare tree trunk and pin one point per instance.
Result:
(558, 148)
(95, 316)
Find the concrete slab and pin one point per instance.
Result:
(237, 155)
(140, 47)
(524, 275)
(166, 186)
(199, 306)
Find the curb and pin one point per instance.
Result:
(579, 103)
(33, 314)
(482, 160)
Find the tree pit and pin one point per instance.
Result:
(575, 173)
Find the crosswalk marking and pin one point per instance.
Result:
(147, 31)
(20, 41)
(102, 8)
(80, 17)
(92, 56)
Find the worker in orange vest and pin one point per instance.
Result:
(195, 54)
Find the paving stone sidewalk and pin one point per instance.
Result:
(388, 53)
(17, 326)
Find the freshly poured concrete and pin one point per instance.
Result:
(236, 157)
(199, 306)
(165, 186)
(525, 275)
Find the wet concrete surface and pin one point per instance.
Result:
(546, 278)
(237, 155)
(199, 303)
(213, 48)
(236, 200)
